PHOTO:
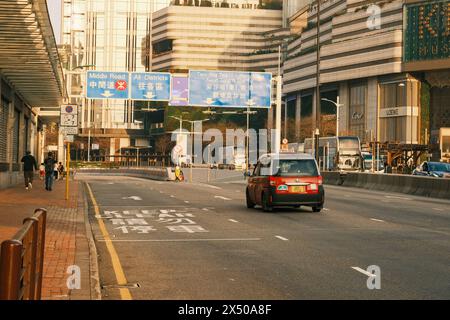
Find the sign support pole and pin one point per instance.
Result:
(278, 115)
(67, 170)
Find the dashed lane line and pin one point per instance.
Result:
(223, 198)
(377, 220)
(282, 238)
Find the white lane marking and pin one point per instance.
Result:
(110, 182)
(205, 209)
(364, 272)
(186, 201)
(182, 240)
(232, 220)
(209, 186)
(326, 209)
(172, 196)
(282, 238)
(438, 209)
(396, 197)
(223, 198)
(161, 192)
(377, 220)
(135, 198)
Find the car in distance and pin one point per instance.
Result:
(433, 169)
(285, 180)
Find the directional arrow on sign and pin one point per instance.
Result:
(149, 95)
(107, 94)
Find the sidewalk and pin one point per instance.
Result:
(67, 237)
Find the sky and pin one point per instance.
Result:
(54, 9)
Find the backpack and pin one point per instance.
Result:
(49, 163)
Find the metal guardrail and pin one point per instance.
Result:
(22, 260)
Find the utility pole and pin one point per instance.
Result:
(279, 81)
(318, 100)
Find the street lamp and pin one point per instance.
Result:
(337, 105)
(250, 103)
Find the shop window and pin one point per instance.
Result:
(16, 137)
(357, 110)
(4, 108)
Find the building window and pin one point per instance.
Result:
(357, 110)
(4, 108)
(16, 137)
(162, 47)
(26, 138)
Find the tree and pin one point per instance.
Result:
(163, 144)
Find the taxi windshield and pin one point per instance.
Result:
(295, 167)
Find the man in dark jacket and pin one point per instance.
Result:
(29, 165)
(49, 164)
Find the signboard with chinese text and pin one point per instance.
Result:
(107, 85)
(230, 89)
(150, 86)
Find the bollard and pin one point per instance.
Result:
(10, 269)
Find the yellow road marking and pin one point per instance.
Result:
(118, 271)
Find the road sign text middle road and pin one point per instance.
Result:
(107, 85)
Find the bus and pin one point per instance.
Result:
(337, 153)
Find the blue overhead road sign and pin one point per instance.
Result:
(150, 86)
(107, 85)
(230, 89)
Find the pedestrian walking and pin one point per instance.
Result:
(42, 171)
(29, 165)
(55, 170)
(60, 171)
(49, 164)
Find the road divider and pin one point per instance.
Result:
(407, 184)
(156, 173)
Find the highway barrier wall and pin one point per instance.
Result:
(407, 184)
(159, 173)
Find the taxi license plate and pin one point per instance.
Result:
(298, 189)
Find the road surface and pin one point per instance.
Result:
(167, 240)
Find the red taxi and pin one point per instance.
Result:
(285, 179)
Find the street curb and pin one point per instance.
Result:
(93, 257)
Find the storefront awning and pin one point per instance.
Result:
(28, 52)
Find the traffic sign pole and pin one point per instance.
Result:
(67, 170)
